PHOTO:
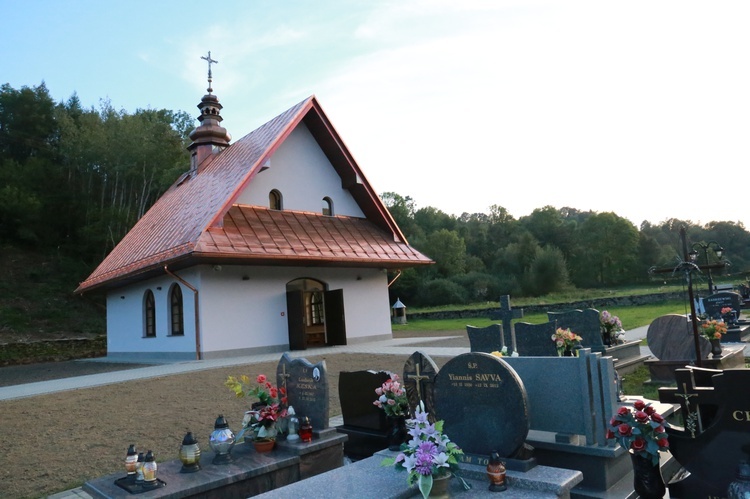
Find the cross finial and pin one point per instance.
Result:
(209, 61)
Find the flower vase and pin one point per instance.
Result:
(265, 445)
(715, 348)
(396, 432)
(647, 480)
(440, 486)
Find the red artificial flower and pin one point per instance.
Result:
(623, 411)
(640, 416)
(656, 417)
(639, 405)
(610, 434)
(649, 410)
(261, 379)
(638, 444)
(663, 443)
(624, 430)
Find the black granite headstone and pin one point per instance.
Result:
(711, 457)
(419, 382)
(670, 337)
(585, 323)
(486, 339)
(535, 340)
(364, 423)
(484, 405)
(715, 302)
(307, 388)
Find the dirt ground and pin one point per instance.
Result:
(55, 442)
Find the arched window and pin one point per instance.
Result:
(177, 322)
(274, 200)
(327, 206)
(149, 315)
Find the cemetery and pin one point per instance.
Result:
(526, 416)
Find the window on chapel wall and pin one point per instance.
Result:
(176, 312)
(274, 200)
(149, 315)
(327, 206)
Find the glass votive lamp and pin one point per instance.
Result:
(190, 454)
(305, 429)
(292, 425)
(221, 441)
(131, 458)
(149, 470)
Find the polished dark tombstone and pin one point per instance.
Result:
(485, 408)
(365, 424)
(535, 340)
(710, 458)
(586, 324)
(715, 302)
(419, 382)
(486, 339)
(307, 389)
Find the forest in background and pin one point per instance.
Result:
(74, 180)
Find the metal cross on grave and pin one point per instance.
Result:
(419, 381)
(506, 314)
(284, 376)
(696, 396)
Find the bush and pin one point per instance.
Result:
(440, 292)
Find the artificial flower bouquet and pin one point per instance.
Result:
(565, 340)
(392, 397)
(642, 430)
(271, 405)
(713, 329)
(428, 454)
(611, 326)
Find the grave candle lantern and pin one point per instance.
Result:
(221, 441)
(131, 458)
(149, 470)
(190, 454)
(305, 429)
(139, 468)
(496, 473)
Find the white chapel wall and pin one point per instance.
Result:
(125, 320)
(302, 173)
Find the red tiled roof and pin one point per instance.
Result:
(176, 224)
(254, 233)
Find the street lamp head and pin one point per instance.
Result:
(693, 255)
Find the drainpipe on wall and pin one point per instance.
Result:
(198, 355)
(398, 274)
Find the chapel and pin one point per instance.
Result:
(274, 242)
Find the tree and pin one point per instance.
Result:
(609, 250)
(548, 273)
(448, 250)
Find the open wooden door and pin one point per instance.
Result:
(295, 317)
(335, 320)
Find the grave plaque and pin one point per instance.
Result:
(306, 387)
(484, 405)
(714, 303)
(419, 382)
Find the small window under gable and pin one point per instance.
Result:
(149, 315)
(327, 206)
(176, 311)
(274, 200)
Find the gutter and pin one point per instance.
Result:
(398, 274)
(198, 355)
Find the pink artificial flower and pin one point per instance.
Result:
(261, 379)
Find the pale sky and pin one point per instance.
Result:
(641, 108)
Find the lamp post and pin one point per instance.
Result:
(718, 251)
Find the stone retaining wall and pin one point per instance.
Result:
(52, 350)
(597, 303)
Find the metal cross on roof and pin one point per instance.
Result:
(210, 61)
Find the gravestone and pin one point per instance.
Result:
(419, 382)
(671, 340)
(506, 314)
(695, 394)
(365, 424)
(535, 340)
(306, 386)
(486, 339)
(484, 405)
(715, 302)
(710, 458)
(586, 324)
